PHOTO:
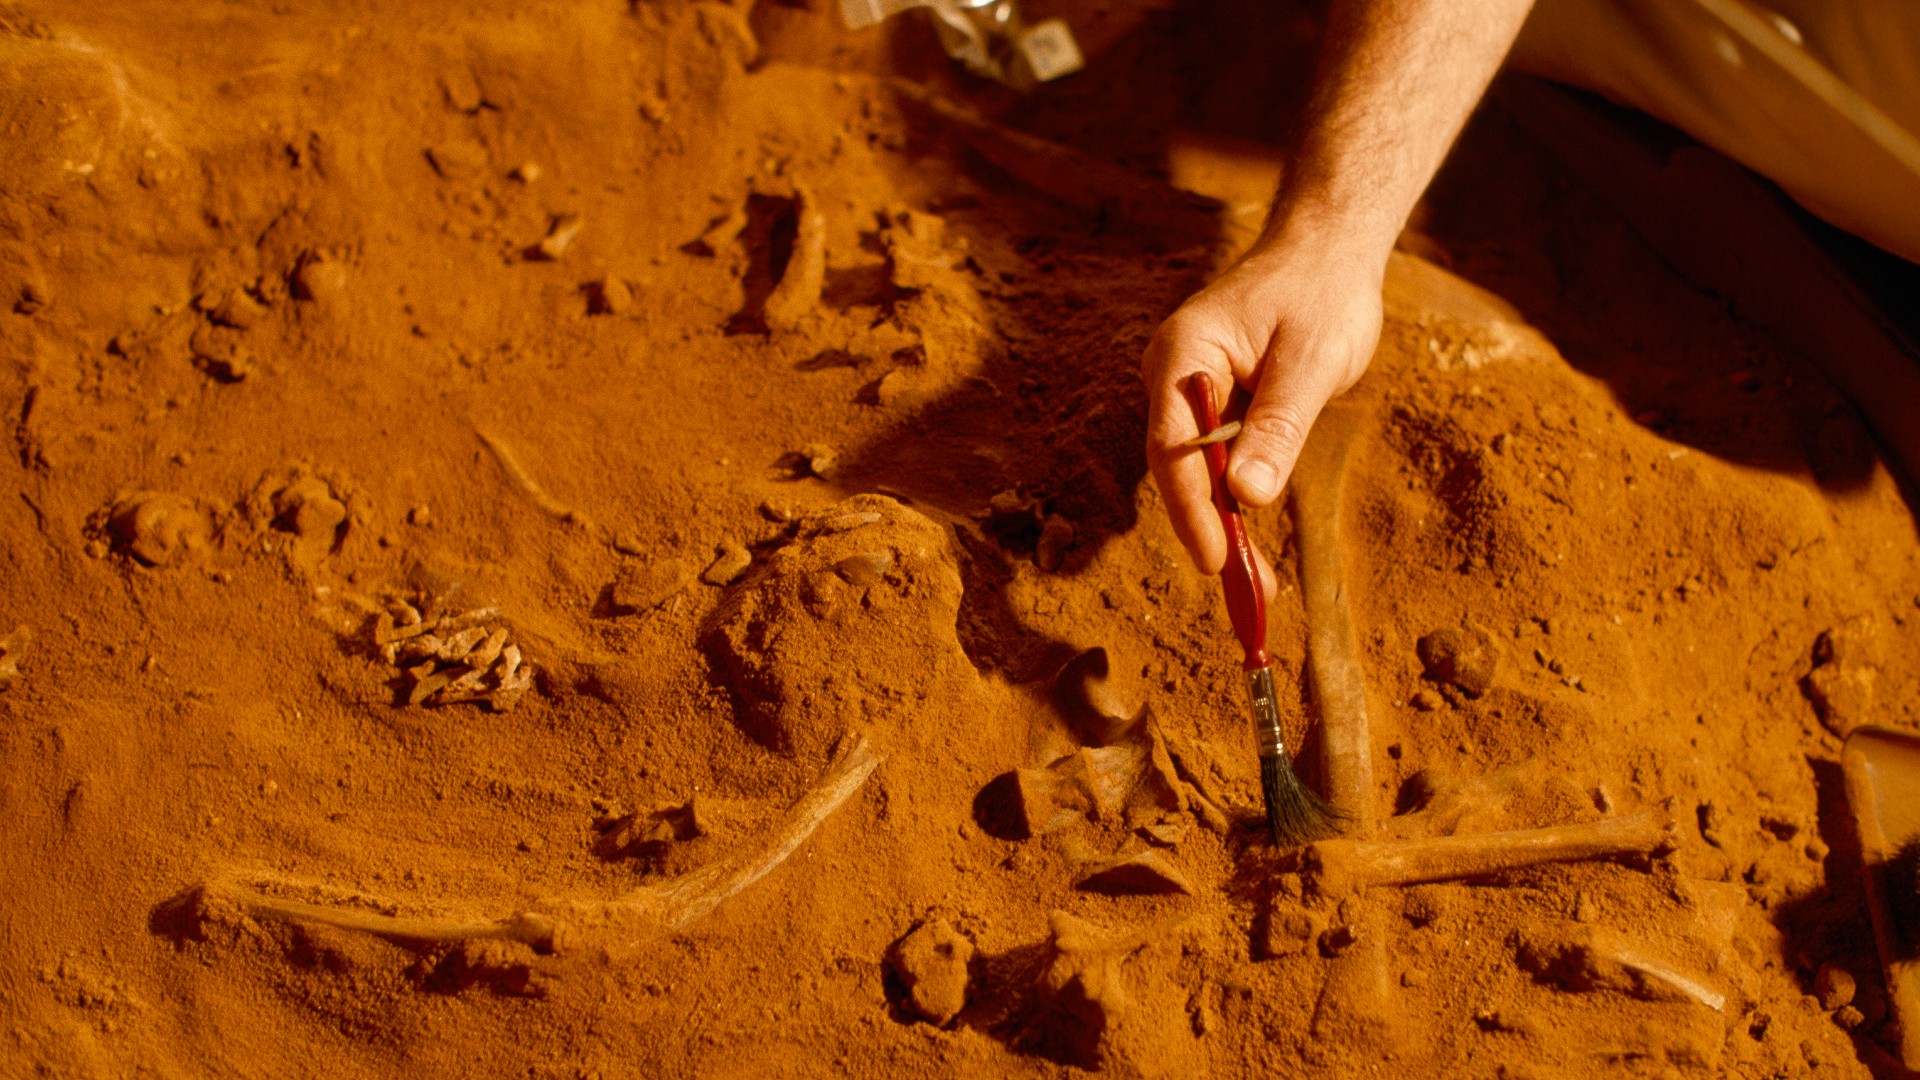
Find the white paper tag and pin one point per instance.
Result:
(1050, 50)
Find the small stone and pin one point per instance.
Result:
(1413, 978)
(320, 278)
(1338, 939)
(732, 561)
(643, 588)
(1834, 986)
(1465, 658)
(308, 509)
(609, 296)
(822, 460)
(1056, 536)
(1426, 700)
(420, 515)
(560, 236)
(931, 964)
(1849, 1017)
(158, 528)
(866, 568)
(777, 512)
(526, 172)
(1841, 684)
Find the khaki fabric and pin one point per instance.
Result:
(1821, 96)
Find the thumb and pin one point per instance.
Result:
(1285, 404)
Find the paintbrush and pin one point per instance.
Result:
(1295, 814)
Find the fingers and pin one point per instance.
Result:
(1181, 472)
(1269, 583)
(1285, 402)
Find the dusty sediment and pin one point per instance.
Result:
(785, 428)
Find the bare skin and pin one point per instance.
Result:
(1295, 321)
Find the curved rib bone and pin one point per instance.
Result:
(560, 922)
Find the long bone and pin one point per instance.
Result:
(1337, 866)
(1354, 1002)
(1333, 654)
(563, 923)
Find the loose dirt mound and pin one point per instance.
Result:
(477, 470)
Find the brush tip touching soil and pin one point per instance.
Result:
(1295, 814)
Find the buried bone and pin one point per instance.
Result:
(559, 924)
(1341, 865)
(1134, 871)
(1132, 782)
(454, 658)
(1584, 958)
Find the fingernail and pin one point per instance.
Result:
(1256, 479)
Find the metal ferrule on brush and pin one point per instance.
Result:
(1266, 713)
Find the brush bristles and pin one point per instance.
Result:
(1295, 815)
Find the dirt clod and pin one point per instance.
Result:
(1834, 986)
(731, 559)
(1466, 658)
(159, 528)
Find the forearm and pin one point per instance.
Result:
(1396, 82)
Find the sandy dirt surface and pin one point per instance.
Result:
(544, 536)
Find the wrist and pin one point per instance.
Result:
(1343, 240)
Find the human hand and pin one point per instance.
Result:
(1295, 322)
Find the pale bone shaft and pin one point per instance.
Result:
(1333, 652)
(1360, 863)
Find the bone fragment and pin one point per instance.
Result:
(560, 236)
(1333, 652)
(529, 928)
(569, 923)
(798, 292)
(1342, 865)
(1594, 958)
(1134, 872)
(690, 896)
(526, 483)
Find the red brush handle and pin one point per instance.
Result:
(1240, 578)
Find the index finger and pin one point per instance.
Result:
(1179, 471)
